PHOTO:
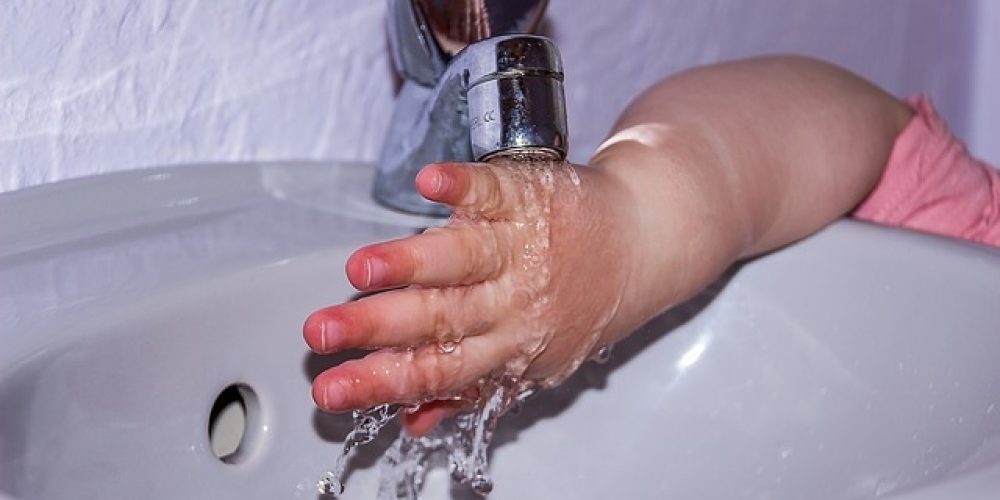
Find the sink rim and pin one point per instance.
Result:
(169, 192)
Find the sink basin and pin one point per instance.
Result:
(859, 363)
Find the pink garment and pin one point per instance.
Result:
(932, 184)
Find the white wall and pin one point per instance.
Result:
(984, 95)
(104, 85)
(615, 49)
(101, 85)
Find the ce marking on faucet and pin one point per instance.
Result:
(479, 120)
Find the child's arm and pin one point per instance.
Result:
(709, 166)
(735, 159)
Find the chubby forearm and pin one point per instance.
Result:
(735, 159)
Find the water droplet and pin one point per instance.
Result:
(482, 485)
(447, 346)
(785, 453)
(603, 355)
(990, 408)
(330, 486)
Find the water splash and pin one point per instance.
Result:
(465, 439)
(367, 425)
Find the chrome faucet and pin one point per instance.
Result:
(472, 90)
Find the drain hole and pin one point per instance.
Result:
(233, 422)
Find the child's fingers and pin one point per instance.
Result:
(474, 187)
(397, 376)
(403, 318)
(455, 255)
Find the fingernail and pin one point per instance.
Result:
(375, 271)
(331, 334)
(442, 182)
(334, 396)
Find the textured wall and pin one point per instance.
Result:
(984, 99)
(103, 85)
(614, 49)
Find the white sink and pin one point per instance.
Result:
(863, 362)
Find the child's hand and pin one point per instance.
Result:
(706, 167)
(527, 278)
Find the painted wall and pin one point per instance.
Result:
(984, 98)
(104, 85)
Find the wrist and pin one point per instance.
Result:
(687, 226)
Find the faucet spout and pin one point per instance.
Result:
(499, 95)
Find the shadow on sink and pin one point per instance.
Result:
(594, 376)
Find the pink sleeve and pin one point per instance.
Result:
(932, 184)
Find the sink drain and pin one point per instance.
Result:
(234, 424)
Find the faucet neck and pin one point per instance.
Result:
(501, 94)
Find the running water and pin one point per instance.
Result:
(367, 425)
(466, 437)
